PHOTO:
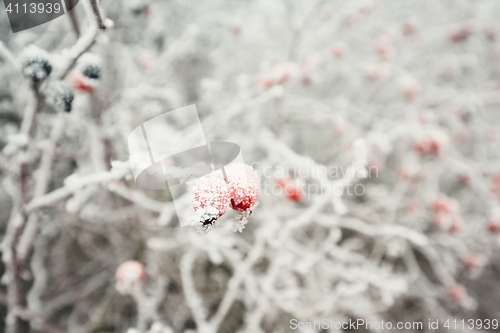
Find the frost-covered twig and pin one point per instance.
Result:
(137, 197)
(96, 11)
(41, 180)
(234, 284)
(193, 299)
(73, 185)
(8, 56)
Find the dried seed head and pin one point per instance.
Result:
(90, 66)
(35, 63)
(62, 95)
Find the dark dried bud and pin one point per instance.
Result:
(140, 9)
(62, 95)
(35, 63)
(90, 66)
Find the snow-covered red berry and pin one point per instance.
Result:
(244, 186)
(211, 192)
(210, 200)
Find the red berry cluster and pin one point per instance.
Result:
(213, 196)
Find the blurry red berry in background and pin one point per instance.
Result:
(409, 27)
(80, 82)
(444, 204)
(290, 190)
(293, 193)
(490, 33)
(412, 207)
(306, 79)
(462, 33)
(338, 49)
(411, 90)
(471, 260)
(454, 226)
(432, 144)
(384, 48)
(376, 72)
(456, 293)
(265, 82)
(463, 179)
(495, 184)
(494, 226)
(236, 30)
(410, 174)
(366, 7)
(440, 219)
(130, 272)
(348, 20)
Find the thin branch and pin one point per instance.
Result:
(65, 191)
(235, 282)
(193, 300)
(96, 11)
(7, 55)
(137, 197)
(42, 181)
(74, 20)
